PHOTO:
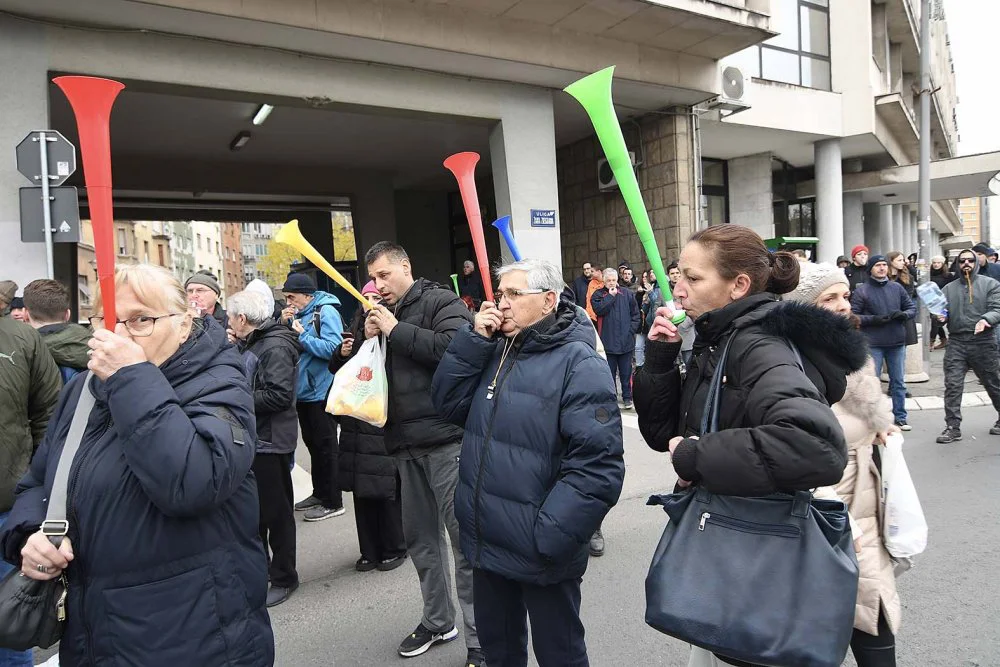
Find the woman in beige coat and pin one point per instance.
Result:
(865, 413)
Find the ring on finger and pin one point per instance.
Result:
(41, 568)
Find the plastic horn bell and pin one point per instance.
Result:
(454, 281)
(463, 166)
(91, 99)
(503, 224)
(594, 93)
(289, 234)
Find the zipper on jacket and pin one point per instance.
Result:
(482, 460)
(708, 518)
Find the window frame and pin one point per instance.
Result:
(800, 53)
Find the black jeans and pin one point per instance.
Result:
(277, 516)
(380, 527)
(556, 629)
(319, 432)
(978, 353)
(875, 650)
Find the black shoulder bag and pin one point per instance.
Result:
(33, 613)
(771, 580)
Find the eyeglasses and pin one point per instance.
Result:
(199, 290)
(139, 326)
(966, 260)
(512, 294)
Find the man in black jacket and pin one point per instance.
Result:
(419, 319)
(534, 483)
(581, 284)
(271, 356)
(857, 271)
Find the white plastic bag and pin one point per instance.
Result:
(360, 388)
(904, 529)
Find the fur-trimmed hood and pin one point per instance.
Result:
(831, 345)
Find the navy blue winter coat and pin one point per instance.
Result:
(169, 569)
(621, 319)
(542, 460)
(874, 302)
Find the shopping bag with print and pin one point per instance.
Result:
(360, 388)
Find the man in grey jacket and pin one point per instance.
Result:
(973, 309)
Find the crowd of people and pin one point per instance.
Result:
(198, 410)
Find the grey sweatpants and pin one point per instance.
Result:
(428, 493)
(980, 355)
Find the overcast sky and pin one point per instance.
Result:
(974, 28)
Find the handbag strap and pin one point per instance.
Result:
(710, 415)
(56, 526)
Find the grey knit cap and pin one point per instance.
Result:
(814, 279)
(205, 279)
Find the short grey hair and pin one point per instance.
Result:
(610, 273)
(540, 274)
(252, 305)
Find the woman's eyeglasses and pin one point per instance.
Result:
(139, 326)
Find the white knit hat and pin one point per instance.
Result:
(814, 279)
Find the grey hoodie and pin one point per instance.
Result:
(969, 303)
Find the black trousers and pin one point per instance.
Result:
(319, 432)
(557, 633)
(979, 354)
(380, 527)
(277, 516)
(875, 651)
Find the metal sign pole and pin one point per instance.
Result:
(924, 183)
(43, 147)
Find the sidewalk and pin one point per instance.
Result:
(930, 395)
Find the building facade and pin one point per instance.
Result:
(208, 250)
(256, 236)
(181, 248)
(974, 225)
(232, 256)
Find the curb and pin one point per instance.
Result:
(969, 400)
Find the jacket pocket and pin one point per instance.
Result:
(167, 622)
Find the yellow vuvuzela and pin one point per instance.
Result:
(289, 234)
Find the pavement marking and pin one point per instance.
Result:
(302, 486)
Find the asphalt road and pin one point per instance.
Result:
(951, 598)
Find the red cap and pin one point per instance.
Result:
(858, 248)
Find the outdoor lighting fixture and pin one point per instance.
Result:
(262, 114)
(240, 141)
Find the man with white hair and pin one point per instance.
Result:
(470, 284)
(541, 464)
(271, 355)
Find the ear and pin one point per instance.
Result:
(406, 267)
(66, 315)
(187, 323)
(551, 301)
(741, 287)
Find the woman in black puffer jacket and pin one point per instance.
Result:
(776, 429)
(369, 471)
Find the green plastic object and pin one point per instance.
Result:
(454, 281)
(594, 93)
(794, 242)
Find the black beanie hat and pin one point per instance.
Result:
(299, 283)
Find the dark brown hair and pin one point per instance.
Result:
(46, 300)
(899, 276)
(740, 250)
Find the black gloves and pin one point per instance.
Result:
(898, 316)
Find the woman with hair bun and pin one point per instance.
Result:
(776, 431)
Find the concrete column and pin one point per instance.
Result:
(898, 235)
(854, 225)
(914, 240)
(884, 231)
(523, 154)
(23, 108)
(829, 200)
(872, 217)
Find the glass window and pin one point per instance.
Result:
(785, 21)
(715, 210)
(816, 73)
(815, 31)
(820, 3)
(747, 60)
(713, 172)
(779, 65)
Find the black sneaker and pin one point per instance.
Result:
(996, 429)
(950, 434)
(903, 426)
(389, 564)
(597, 544)
(320, 513)
(308, 504)
(278, 594)
(422, 639)
(627, 405)
(475, 658)
(365, 565)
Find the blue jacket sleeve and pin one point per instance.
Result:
(602, 301)
(188, 459)
(331, 333)
(459, 373)
(593, 466)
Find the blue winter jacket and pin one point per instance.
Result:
(320, 315)
(542, 457)
(873, 302)
(163, 514)
(621, 319)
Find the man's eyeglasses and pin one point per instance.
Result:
(966, 260)
(139, 326)
(512, 294)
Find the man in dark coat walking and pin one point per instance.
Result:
(534, 482)
(271, 356)
(884, 306)
(620, 323)
(581, 284)
(419, 318)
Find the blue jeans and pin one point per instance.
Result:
(10, 658)
(895, 359)
(621, 365)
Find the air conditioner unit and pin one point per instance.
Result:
(605, 177)
(736, 83)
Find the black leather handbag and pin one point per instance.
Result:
(33, 613)
(769, 581)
